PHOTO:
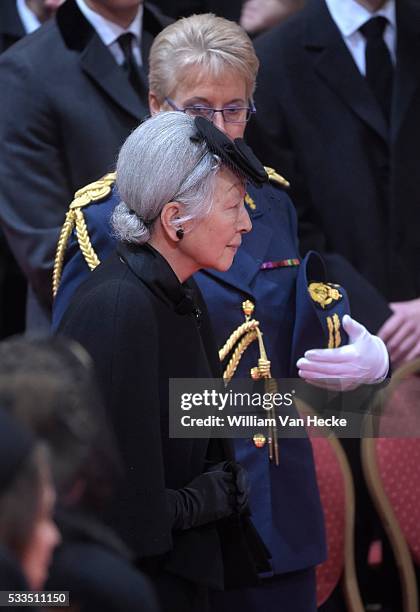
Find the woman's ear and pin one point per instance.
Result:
(154, 104)
(170, 213)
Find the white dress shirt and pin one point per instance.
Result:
(349, 16)
(29, 20)
(108, 31)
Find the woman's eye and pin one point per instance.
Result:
(233, 113)
(235, 205)
(199, 111)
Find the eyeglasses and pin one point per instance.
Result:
(231, 114)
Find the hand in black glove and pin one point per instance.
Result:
(209, 497)
(243, 486)
(241, 481)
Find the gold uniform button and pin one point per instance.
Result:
(259, 440)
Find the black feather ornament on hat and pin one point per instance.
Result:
(235, 154)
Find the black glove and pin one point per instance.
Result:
(243, 486)
(241, 481)
(209, 497)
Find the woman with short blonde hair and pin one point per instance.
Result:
(204, 41)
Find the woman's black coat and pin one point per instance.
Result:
(143, 327)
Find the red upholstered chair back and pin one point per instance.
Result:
(337, 497)
(399, 468)
(392, 469)
(333, 498)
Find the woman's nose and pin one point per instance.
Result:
(219, 121)
(245, 224)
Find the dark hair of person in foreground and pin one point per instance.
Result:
(48, 384)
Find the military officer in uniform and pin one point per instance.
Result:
(205, 65)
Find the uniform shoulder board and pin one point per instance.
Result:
(94, 192)
(276, 178)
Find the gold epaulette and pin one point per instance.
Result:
(94, 192)
(276, 178)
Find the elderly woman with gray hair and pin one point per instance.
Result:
(144, 322)
(206, 66)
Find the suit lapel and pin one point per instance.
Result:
(96, 60)
(100, 65)
(248, 259)
(407, 76)
(334, 64)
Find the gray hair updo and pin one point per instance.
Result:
(157, 164)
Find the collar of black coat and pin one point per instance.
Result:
(77, 31)
(99, 64)
(78, 524)
(10, 22)
(155, 272)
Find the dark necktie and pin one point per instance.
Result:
(379, 68)
(130, 66)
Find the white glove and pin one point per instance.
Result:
(363, 361)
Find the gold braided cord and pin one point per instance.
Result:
(270, 385)
(65, 233)
(263, 354)
(337, 325)
(94, 192)
(243, 344)
(330, 325)
(83, 239)
(235, 336)
(242, 337)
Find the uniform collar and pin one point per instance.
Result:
(155, 272)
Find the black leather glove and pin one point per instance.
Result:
(209, 497)
(243, 486)
(241, 481)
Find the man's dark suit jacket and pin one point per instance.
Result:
(11, 27)
(354, 181)
(65, 109)
(12, 282)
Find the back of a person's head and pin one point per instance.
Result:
(48, 384)
(28, 534)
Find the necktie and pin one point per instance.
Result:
(130, 66)
(379, 68)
